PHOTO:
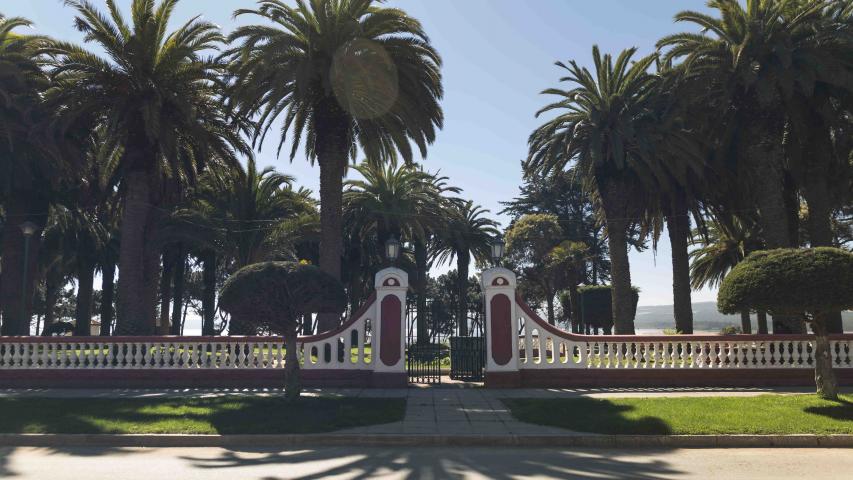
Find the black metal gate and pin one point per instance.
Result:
(424, 356)
(445, 347)
(423, 362)
(468, 351)
(467, 358)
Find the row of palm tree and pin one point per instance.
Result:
(133, 155)
(738, 125)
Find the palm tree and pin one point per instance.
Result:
(680, 148)
(468, 234)
(157, 99)
(600, 129)
(724, 242)
(242, 217)
(752, 62)
(399, 201)
(345, 74)
(28, 168)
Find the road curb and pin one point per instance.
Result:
(580, 441)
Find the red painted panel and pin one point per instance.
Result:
(501, 326)
(392, 324)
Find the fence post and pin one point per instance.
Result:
(389, 329)
(498, 286)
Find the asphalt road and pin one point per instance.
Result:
(415, 463)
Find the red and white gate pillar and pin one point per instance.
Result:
(498, 285)
(389, 329)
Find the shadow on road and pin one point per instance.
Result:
(416, 462)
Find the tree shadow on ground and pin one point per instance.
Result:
(418, 462)
(237, 415)
(6, 453)
(586, 415)
(841, 410)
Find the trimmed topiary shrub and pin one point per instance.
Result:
(808, 282)
(596, 306)
(274, 295)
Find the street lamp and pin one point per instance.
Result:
(498, 246)
(392, 249)
(29, 229)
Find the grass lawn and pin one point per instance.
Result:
(222, 415)
(765, 414)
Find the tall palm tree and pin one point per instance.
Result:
(600, 128)
(752, 61)
(724, 243)
(401, 201)
(344, 75)
(157, 98)
(679, 145)
(28, 170)
(468, 235)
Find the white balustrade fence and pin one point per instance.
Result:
(520, 341)
(541, 346)
(346, 348)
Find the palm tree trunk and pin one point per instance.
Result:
(825, 380)
(166, 290)
(293, 384)
(745, 322)
(549, 301)
(577, 325)
(816, 193)
(85, 290)
(596, 256)
(132, 309)
(208, 300)
(463, 259)
(51, 296)
(178, 296)
(762, 323)
(108, 273)
(333, 147)
(764, 154)
(420, 290)
(19, 280)
(615, 196)
(678, 226)
(620, 274)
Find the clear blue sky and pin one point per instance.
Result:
(498, 55)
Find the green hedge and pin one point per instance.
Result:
(597, 308)
(790, 281)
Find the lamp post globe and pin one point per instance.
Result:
(498, 247)
(392, 249)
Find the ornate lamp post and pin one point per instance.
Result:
(498, 247)
(392, 250)
(28, 229)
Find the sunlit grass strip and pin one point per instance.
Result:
(761, 415)
(220, 415)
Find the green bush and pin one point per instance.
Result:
(273, 295)
(804, 282)
(790, 282)
(597, 306)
